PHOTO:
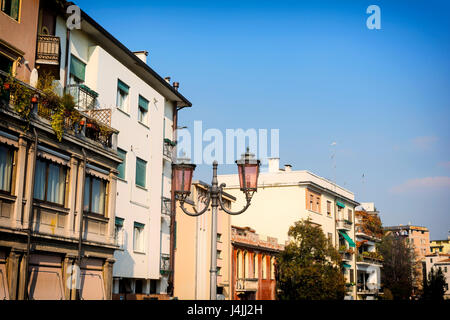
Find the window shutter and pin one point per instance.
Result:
(15, 9)
(77, 68)
(121, 167)
(122, 86)
(139, 225)
(119, 222)
(143, 103)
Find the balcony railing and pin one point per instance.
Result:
(85, 98)
(165, 263)
(166, 208)
(364, 288)
(168, 148)
(48, 50)
(344, 225)
(247, 285)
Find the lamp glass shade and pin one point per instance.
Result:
(248, 176)
(183, 177)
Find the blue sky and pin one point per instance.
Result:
(313, 70)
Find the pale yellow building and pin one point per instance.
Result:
(193, 249)
(285, 196)
(440, 246)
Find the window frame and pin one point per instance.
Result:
(124, 106)
(145, 175)
(124, 164)
(47, 166)
(19, 9)
(141, 227)
(89, 211)
(144, 119)
(13, 154)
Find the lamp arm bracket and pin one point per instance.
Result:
(222, 205)
(197, 213)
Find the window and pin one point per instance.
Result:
(350, 215)
(11, 8)
(256, 273)
(219, 254)
(352, 276)
(313, 199)
(138, 237)
(122, 95)
(254, 265)
(122, 167)
(311, 202)
(219, 237)
(239, 265)
(445, 269)
(272, 268)
(94, 195)
(329, 208)
(141, 168)
(50, 182)
(330, 237)
(5, 64)
(219, 269)
(118, 232)
(77, 70)
(6, 168)
(142, 110)
(264, 267)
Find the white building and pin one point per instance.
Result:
(285, 196)
(112, 82)
(437, 261)
(368, 264)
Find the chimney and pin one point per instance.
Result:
(142, 55)
(287, 168)
(167, 79)
(274, 165)
(176, 85)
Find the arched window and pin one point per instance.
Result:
(238, 264)
(272, 268)
(256, 266)
(246, 264)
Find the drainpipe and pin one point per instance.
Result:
(30, 215)
(173, 215)
(66, 65)
(80, 230)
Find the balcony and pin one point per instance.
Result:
(344, 225)
(168, 149)
(244, 285)
(370, 258)
(346, 253)
(166, 208)
(165, 264)
(48, 50)
(367, 288)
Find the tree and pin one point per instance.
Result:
(399, 266)
(309, 267)
(434, 287)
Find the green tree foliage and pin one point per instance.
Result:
(434, 287)
(399, 267)
(309, 267)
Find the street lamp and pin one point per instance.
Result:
(248, 169)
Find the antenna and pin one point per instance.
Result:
(333, 158)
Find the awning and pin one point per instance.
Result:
(340, 204)
(347, 266)
(349, 240)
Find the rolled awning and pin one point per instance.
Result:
(346, 237)
(346, 265)
(340, 204)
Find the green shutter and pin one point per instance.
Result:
(345, 265)
(121, 167)
(340, 204)
(122, 86)
(119, 222)
(349, 240)
(77, 68)
(139, 225)
(141, 172)
(143, 103)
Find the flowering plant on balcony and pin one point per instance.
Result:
(342, 248)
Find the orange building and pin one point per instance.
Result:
(253, 265)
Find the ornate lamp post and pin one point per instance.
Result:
(248, 169)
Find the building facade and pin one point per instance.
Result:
(57, 200)
(440, 246)
(285, 196)
(368, 262)
(253, 265)
(103, 75)
(419, 238)
(435, 261)
(193, 249)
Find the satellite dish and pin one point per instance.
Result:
(34, 78)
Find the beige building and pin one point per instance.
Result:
(49, 191)
(285, 196)
(193, 248)
(419, 238)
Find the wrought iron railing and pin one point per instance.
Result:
(165, 263)
(48, 50)
(166, 208)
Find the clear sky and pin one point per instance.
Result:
(315, 71)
